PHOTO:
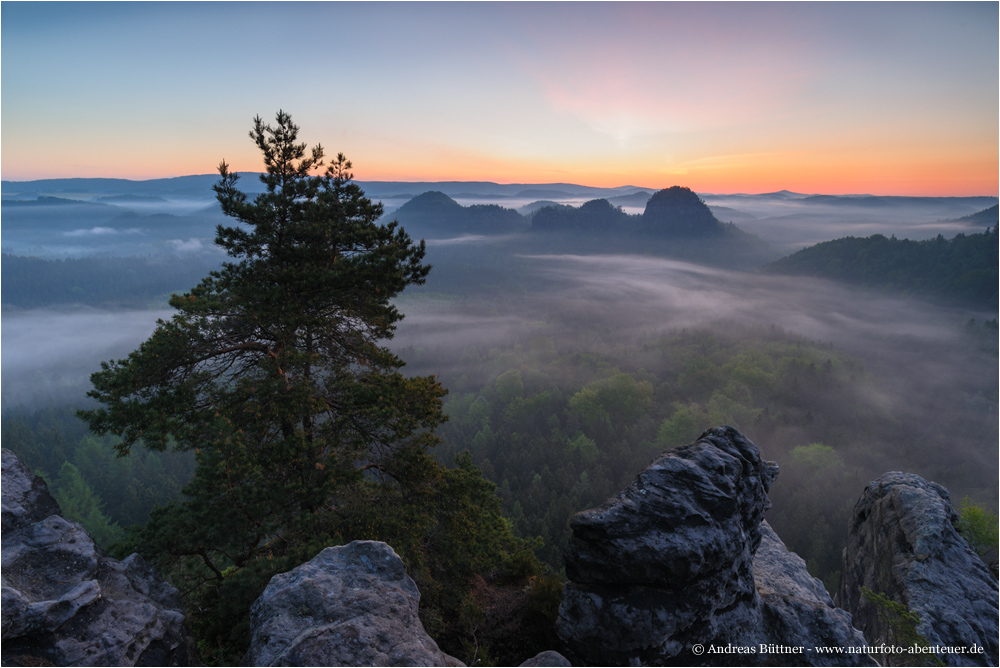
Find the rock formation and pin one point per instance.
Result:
(903, 543)
(667, 569)
(678, 212)
(65, 602)
(547, 658)
(352, 605)
(435, 214)
(796, 610)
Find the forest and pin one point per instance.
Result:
(960, 269)
(562, 354)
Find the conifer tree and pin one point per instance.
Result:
(79, 503)
(273, 371)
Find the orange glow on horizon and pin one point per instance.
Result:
(950, 176)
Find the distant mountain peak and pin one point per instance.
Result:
(432, 201)
(434, 213)
(678, 211)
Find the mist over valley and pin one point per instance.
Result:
(576, 350)
(547, 333)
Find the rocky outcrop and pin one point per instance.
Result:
(548, 658)
(65, 602)
(797, 611)
(26, 497)
(667, 569)
(679, 212)
(352, 605)
(903, 543)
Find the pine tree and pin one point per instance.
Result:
(273, 372)
(79, 503)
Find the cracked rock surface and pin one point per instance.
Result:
(903, 543)
(682, 558)
(352, 605)
(65, 602)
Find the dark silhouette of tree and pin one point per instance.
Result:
(306, 432)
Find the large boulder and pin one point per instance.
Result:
(903, 543)
(65, 602)
(352, 605)
(548, 658)
(666, 570)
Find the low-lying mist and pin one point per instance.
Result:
(922, 360)
(48, 355)
(635, 297)
(913, 386)
(920, 350)
(791, 224)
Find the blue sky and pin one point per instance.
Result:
(894, 98)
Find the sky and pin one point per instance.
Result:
(882, 98)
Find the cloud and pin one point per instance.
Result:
(190, 246)
(100, 232)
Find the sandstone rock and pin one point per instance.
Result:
(903, 543)
(797, 611)
(352, 605)
(26, 498)
(547, 658)
(65, 602)
(661, 566)
(669, 564)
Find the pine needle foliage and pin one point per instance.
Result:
(273, 371)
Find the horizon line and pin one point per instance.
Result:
(499, 183)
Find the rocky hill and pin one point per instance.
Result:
(434, 214)
(673, 213)
(597, 215)
(679, 212)
(677, 569)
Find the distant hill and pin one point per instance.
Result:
(44, 200)
(675, 223)
(435, 214)
(130, 199)
(106, 282)
(638, 198)
(867, 201)
(674, 213)
(730, 215)
(547, 194)
(57, 213)
(198, 186)
(678, 212)
(987, 217)
(491, 190)
(528, 210)
(963, 269)
(597, 215)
